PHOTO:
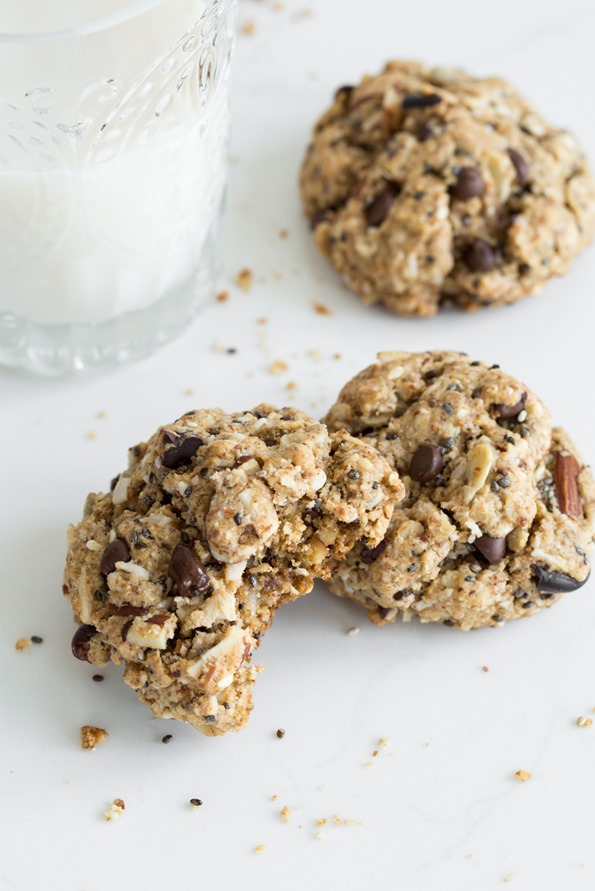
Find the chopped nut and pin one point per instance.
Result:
(115, 810)
(479, 463)
(22, 643)
(244, 279)
(322, 309)
(92, 736)
(584, 722)
(566, 471)
(523, 775)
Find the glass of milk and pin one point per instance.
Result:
(114, 123)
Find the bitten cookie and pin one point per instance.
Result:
(430, 186)
(499, 516)
(219, 519)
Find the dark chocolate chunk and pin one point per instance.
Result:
(550, 581)
(480, 256)
(493, 549)
(116, 552)
(188, 572)
(81, 640)
(469, 184)
(426, 463)
(377, 211)
(180, 454)
(368, 555)
(421, 100)
(505, 412)
(521, 167)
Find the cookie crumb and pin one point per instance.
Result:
(291, 386)
(259, 849)
(249, 27)
(92, 736)
(523, 775)
(337, 356)
(115, 810)
(322, 822)
(22, 643)
(277, 367)
(351, 632)
(584, 722)
(262, 320)
(383, 742)
(319, 834)
(322, 309)
(274, 797)
(484, 668)
(244, 279)
(346, 822)
(280, 733)
(91, 435)
(189, 391)
(283, 233)
(222, 296)
(101, 415)
(195, 802)
(286, 813)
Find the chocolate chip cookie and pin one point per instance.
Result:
(498, 519)
(218, 520)
(426, 187)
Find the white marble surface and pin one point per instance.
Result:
(439, 806)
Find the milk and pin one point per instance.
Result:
(112, 166)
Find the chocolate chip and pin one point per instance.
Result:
(521, 167)
(210, 718)
(549, 581)
(377, 211)
(368, 555)
(383, 612)
(159, 619)
(317, 217)
(344, 92)
(421, 100)
(479, 256)
(427, 462)
(81, 641)
(353, 474)
(128, 610)
(424, 133)
(180, 454)
(188, 572)
(469, 184)
(116, 552)
(114, 483)
(237, 518)
(505, 412)
(401, 595)
(493, 549)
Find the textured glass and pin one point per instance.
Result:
(113, 162)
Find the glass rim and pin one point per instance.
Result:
(131, 10)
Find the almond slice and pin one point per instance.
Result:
(566, 470)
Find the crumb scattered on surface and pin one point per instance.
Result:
(322, 822)
(244, 279)
(259, 849)
(248, 27)
(277, 367)
(195, 802)
(91, 435)
(22, 643)
(92, 736)
(222, 296)
(274, 797)
(509, 878)
(115, 810)
(484, 668)
(36, 639)
(523, 775)
(189, 391)
(280, 733)
(319, 834)
(286, 813)
(351, 632)
(383, 742)
(322, 309)
(262, 320)
(283, 233)
(101, 415)
(338, 821)
(97, 678)
(584, 722)
(291, 386)
(337, 356)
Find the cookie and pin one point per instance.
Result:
(427, 187)
(498, 519)
(218, 520)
